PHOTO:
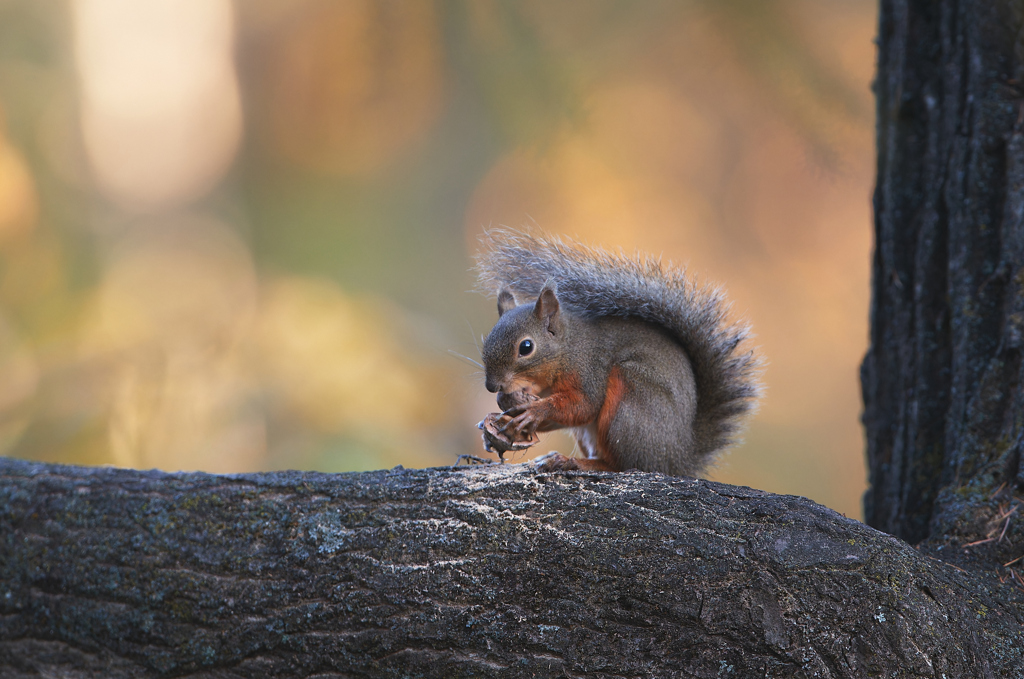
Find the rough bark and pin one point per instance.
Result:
(944, 410)
(496, 572)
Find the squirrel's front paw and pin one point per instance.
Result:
(524, 422)
(554, 462)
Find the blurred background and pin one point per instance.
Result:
(238, 236)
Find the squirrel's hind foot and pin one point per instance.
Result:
(555, 462)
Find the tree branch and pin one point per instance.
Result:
(495, 572)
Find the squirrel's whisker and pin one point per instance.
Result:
(466, 358)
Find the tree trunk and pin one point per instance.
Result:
(496, 572)
(942, 380)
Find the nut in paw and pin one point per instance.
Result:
(498, 439)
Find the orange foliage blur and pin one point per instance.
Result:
(272, 275)
(353, 83)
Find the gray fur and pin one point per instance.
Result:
(604, 284)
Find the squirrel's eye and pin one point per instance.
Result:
(526, 347)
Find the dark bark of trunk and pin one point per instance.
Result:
(495, 572)
(942, 379)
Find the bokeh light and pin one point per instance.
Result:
(160, 108)
(238, 236)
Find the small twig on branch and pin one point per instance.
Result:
(1017, 576)
(1007, 513)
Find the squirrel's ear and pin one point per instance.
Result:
(506, 301)
(546, 309)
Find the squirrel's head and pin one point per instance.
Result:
(520, 350)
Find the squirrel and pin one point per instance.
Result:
(635, 358)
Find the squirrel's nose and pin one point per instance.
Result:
(492, 384)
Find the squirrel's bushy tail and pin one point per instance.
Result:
(606, 284)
